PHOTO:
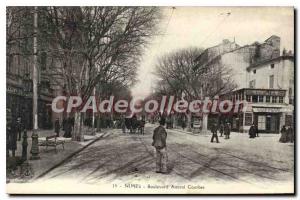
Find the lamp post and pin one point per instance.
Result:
(34, 147)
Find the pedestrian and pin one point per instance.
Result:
(290, 134)
(159, 142)
(214, 130)
(256, 130)
(221, 129)
(168, 121)
(68, 128)
(183, 124)
(56, 127)
(13, 136)
(283, 132)
(227, 131)
(142, 125)
(19, 128)
(252, 131)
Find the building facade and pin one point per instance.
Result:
(264, 77)
(19, 94)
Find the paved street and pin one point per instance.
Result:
(117, 159)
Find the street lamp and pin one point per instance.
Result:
(28, 87)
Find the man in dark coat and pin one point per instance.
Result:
(227, 130)
(252, 131)
(283, 132)
(123, 124)
(214, 130)
(64, 124)
(68, 128)
(290, 134)
(159, 142)
(256, 130)
(56, 127)
(13, 136)
(221, 130)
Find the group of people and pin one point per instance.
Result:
(133, 124)
(287, 134)
(223, 129)
(67, 125)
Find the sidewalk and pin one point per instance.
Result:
(49, 158)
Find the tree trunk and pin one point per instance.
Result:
(204, 122)
(77, 132)
(98, 123)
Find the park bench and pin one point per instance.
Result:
(51, 141)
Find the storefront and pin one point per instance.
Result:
(20, 104)
(269, 119)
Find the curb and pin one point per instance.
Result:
(68, 157)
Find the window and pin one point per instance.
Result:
(260, 98)
(272, 66)
(254, 98)
(268, 99)
(280, 99)
(271, 81)
(252, 84)
(248, 98)
(254, 71)
(274, 99)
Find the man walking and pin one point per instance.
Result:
(256, 130)
(252, 131)
(159, 142)
(12, 136)
(227, 130)
(214, 130)
(221, 130)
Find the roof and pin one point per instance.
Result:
(272, 36)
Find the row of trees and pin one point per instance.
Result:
(87, 48)
(177, 76)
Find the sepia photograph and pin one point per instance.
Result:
(150, 100)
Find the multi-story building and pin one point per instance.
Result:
(19, 59)
(265, 79)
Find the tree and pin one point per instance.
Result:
(176, 76)
(92, 45)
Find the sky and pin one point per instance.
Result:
(203, 27)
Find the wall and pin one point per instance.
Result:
(238, 61)
(283, 72)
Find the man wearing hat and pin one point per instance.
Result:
(159, 142)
